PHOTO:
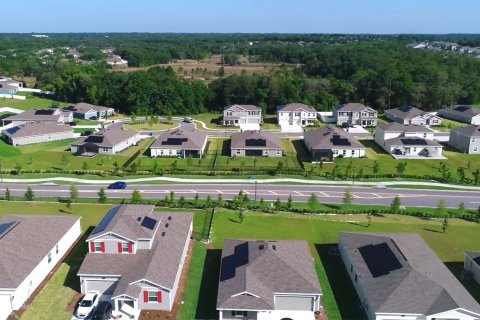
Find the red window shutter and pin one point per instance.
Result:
(145, 296)
(159, 296)
(92, 246)
(130, 248)
(119, 247)
(102, 246)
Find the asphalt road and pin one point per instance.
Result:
(300, 193)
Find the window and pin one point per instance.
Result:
(152, 296)
(356, 277)
(239, 152)
(49, 257)
(424, 135)
(239, 314)
(279, 152)
(56, 249)
(344, 152)
(473, 139)
(125, 247)
(475, 149)
(98, 246)
(170, 152)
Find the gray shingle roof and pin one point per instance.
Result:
(421, 285)
(262, 268)
(83, 108)
(24, 246)
(158, 265)
(295, 107)
(247, 107)
(355, 107)
(398, 127)
(108, 137)
(38, 115)
(470, 131)
(35, 129)
(241, 139)
(405, 141)
(406, 112)
(180, 139)
(465, 110)
(327, 138)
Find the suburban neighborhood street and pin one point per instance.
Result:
(269, 192)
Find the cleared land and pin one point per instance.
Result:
(32, 102)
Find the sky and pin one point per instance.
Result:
(244, 16)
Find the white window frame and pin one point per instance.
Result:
(98, 246)
(154, 297)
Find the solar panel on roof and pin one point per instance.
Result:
(414, 142)
(149, 223)
(461, 108)
(255, 142)
(405, 109)
(44, 112)
(477, 260)
(232, 262)
(380, 259)
(5, 227)
(106, 220)
(174, 141)
(339, 141)
(94, 139)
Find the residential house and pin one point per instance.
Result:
(179, 143)
(86, 111)
(412, 115)
(117, 61)
(135, 258)
(267, 280)
(296, 114)
(472, 265)
(327, 143)
(243, 116)
(408, 141)
(466, 114)
(31, 247)
(353, 114)
(31, 133)
(52, 115)
(111, 140)
(397, 276)
(255, 143)
(466, 139)
(8, 86)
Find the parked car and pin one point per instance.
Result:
(88, 303)
(103, 311)
(117, 185)
(187, 119)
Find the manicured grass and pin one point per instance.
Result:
(447, 125)
(32, 102)
(87, 122)
(154, 127)
(270, 122)
(211, 120)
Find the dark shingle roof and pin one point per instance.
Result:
(355, 107)
(34, 129)
(464, 110)
(419, 142)
(108, 137)
(331, 137)
(83, 108)
(406, 112)
(470, 131)
(422, 285)
(262, 268)
(181, 139)
(398, 127)
(38, 115)
(252, 139)
(247, 107)
(295, 107)
(28, 240)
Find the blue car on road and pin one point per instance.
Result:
(117, 185)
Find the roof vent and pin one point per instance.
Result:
(166, 226)
(139, 218)
(169, 218)
(261, 247)
(274, 247)
(163, 234)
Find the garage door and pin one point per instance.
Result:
(294, 303)
(4, 307)
(103, 286)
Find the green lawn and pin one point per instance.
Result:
(32, 102)
(154, 127)
(211, 120)
(270, 122)
(447, 125)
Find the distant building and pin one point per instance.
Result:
(255, 143)
(31, 133)
(179, 143)
(461, 113)
(8, 86)
(88, 111)
(408, 141)
(52, 115)
(296, 114)
(412, 115)
(355, 114)
(397, 276)
(268, 280)
(325, 144)
(116, 60)
(242, 115)
(111, 140)
(466, 139)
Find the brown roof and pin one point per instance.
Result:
(330, 137)
(35, 129)
(181, 139)
(25, 240)
(295, 107)
(263, 268)
(400, 274)
(252, 139)
(108, 137)
(247, 107)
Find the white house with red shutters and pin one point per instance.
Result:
(136, 257)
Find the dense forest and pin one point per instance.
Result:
(320, 70)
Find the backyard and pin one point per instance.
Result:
(32, 102)
(57, 299)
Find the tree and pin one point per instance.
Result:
(262, 204)
(461, 209)
(18, 168)
(7, 194)
(277, 204)
(196, 199)
(376, 168)
(190, 161)
(369, 219)
(182, 202)
(401, 167)
(133, 167)
(171, 198)
(441, 208)
(461, 175)
(476, 177)
(347, 198)
(208, 202)
(68, 204)
(155, 167)
(313, 202)
(289, 202)
(136, 197)
(85, 166)
(241, 215)
(29, 195)
(395, 206)
(73, 193)
(478, 214)
(102, 197)
(445, 224)
(220, 200)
